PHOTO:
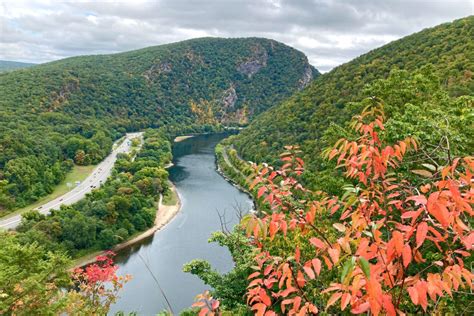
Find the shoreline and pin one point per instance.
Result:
(181, 138)
(233, 182)
(164, 214)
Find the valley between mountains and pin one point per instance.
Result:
(359, 182)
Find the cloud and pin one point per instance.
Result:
(330, 32)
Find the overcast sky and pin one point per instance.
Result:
(329, 32)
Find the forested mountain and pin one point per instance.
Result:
(72, 109)
(373, 210)
(435, 61)
(7, 65)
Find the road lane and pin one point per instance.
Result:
(98, 176)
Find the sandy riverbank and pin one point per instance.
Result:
(164, 215)
(181, 138)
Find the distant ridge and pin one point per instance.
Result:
(7, 65)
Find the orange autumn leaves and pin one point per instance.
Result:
(374, 257)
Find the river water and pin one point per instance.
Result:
(203, 192)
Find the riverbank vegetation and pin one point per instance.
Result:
(170, 197)
(396, 239)
(230, 165)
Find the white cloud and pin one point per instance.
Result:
(330, 32)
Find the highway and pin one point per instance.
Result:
(99, 175)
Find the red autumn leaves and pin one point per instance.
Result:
(207, 304)
(375, 258)
(103, 270)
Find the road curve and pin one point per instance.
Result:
(98, 176)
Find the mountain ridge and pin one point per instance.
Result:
(9, 65)
(84, 102)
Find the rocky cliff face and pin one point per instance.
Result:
(253, 64)
(194, 58)
(157, 69)
(229, 98)
(307, 77)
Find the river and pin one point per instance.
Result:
(203, 192)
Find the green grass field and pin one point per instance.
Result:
(78, 173)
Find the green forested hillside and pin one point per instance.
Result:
(435, 69)
(72, 109)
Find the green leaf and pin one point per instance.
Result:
(347, 269)
(365, 266)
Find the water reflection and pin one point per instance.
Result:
(203, 193)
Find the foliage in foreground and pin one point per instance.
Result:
(394, 246)
(34, 281)
(34, 260)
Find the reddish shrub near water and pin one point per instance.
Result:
(98, 285)
(101, 271)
